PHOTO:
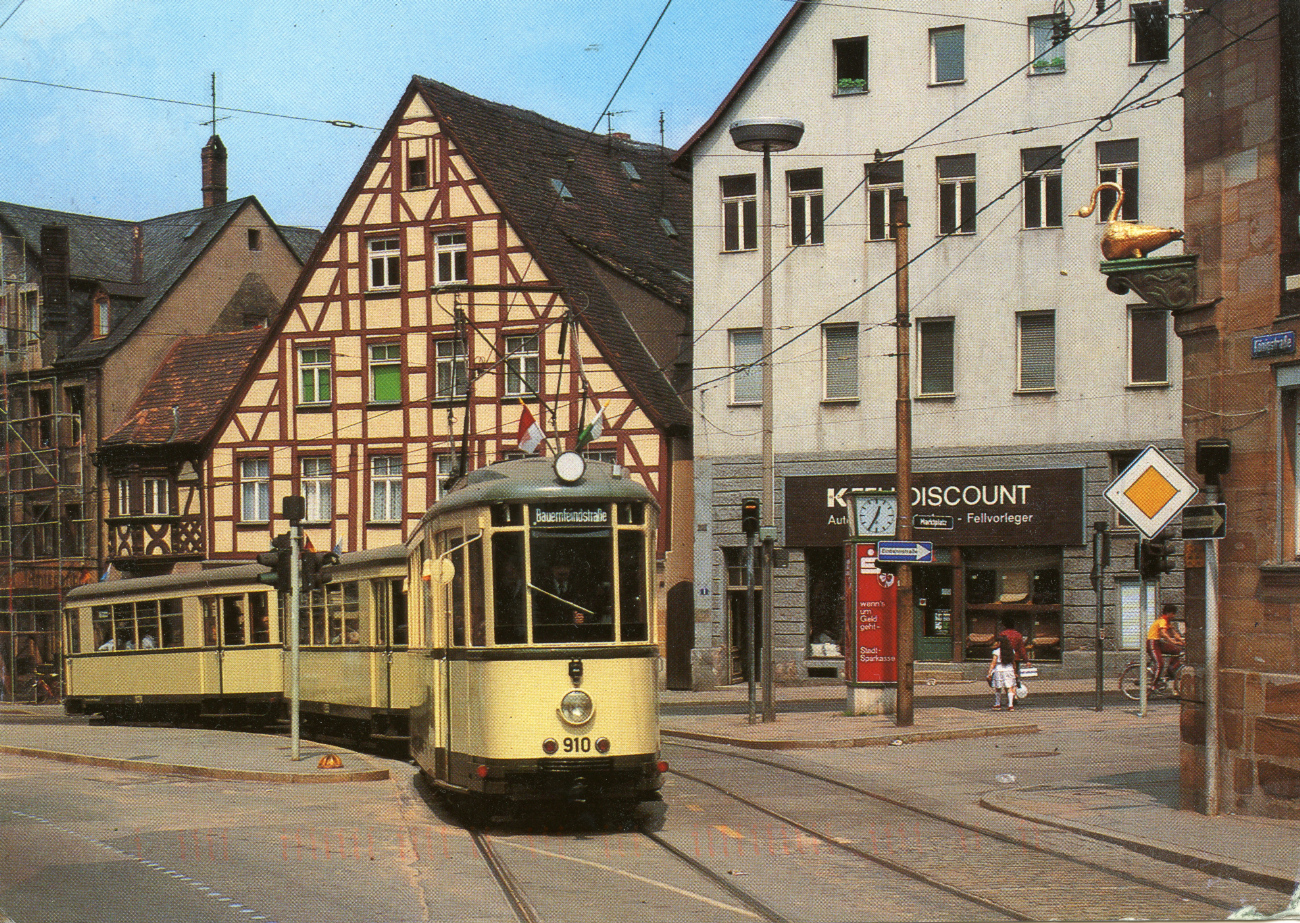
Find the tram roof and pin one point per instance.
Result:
(533, 480)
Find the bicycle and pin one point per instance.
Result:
(43, 687)
(1129, 684)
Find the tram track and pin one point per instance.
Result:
(1034, 861)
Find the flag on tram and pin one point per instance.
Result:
(593, 429)
(530, 434)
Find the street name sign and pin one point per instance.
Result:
(1151, 491)
(905, 552)
(1207, 521)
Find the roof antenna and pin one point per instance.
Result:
(214, 120)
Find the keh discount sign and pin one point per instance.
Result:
(872, 652)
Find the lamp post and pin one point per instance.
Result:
(767, 135)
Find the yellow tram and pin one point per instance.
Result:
(535, 597)
(179, 647)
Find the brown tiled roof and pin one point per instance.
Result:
(185, 398)
(612, 221)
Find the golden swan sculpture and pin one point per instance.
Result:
(1124, 239)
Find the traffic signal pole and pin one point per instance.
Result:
(295, 616)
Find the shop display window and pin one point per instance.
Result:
(1025, 592)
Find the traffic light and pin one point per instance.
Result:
(1152, 558)
(314, 575)
(280, 560)
(749, 515)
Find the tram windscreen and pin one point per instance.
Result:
(572, 575)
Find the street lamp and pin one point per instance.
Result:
(767, 135)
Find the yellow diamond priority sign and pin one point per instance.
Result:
(1151, 491)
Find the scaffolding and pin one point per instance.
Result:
(48, 542)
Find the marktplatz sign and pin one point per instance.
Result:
(1151, 491)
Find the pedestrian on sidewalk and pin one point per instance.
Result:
(1002, 674)
(1018, 651)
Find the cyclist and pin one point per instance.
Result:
(1164, 639)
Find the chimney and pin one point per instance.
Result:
(214, 172)
(55, 270)
(137, 254)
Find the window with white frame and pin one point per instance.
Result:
(936, 348)
(1117, 162)
(314, 375)
(850, 65)
(948, 54)
(444, 463)
(840, 361)
(521, 363)
(1148, 345)
(739, 213)
(122, 496)
(1037, 349)
(450, 370)
(385, 255)
(385, 373)
(746, 372)
(386, 488)
(1041, 169)
(450, 257)
(1150, 32)
(806, 204)
(156, 497)
(1047, 57)
(884, 188)
(318, 488)
(254, 490)
(956, 193)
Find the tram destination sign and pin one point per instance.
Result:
(561, 516)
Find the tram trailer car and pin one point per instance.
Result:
(182, 647)
(535, 597)
(355, 663)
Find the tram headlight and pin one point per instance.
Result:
(576, 707)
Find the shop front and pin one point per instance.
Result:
(999, 542)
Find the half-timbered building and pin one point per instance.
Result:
(487, 266)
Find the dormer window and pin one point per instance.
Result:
(629, 169)
(103, 315)
(562, 190)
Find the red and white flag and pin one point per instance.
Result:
(530, 434)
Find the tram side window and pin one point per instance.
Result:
(477, 612)
(260, 611)
(123, 627)
(232, 620)
(101, 620)
(456, 605)
(146, 614)
(73, 631)
(400, 633)
(210, 622)
(173, 623)
(508, 596)
(631, 585)
(343, 601)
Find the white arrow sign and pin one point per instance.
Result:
(914, 552)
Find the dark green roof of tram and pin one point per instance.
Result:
(533, 480)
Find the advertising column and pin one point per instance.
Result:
(871, 633)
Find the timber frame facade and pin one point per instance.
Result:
(484, 260)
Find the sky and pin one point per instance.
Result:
(318, 60)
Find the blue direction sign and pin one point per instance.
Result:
(905, 552)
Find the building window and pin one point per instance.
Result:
(747, 374)
(255, 490)
(254, 239)
(521, 365)
(935, 336)
(1037, 339)
(850, 65)
(840, 361)
(385, 263)
(806, 204)
(156, 497)
(444, 463)
(386, 488)
(884, 188)
(948, 54)
(1117, 162)
(417, 172)
(1041, 168)
(1048, 57)
(1150, 32)
(385, 373)
(452, 375)
(956, 194)
(450, 256)
(1148, 346)
(318, 489)
(314, 375)
(122, 496)
(739, 213)
(103, 315)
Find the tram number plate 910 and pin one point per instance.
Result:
(576, 745)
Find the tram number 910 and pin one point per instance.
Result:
(576, 745)
(551, 746)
